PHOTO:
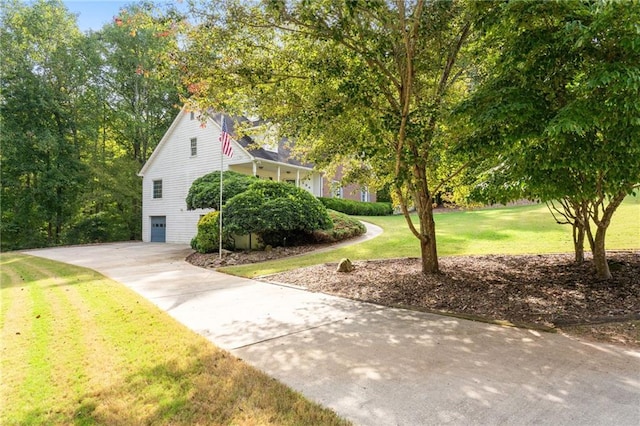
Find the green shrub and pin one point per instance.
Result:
(207, 240)
(357, 208)
(280, 213)
(204, 192)
(344, 227)
(97, 228)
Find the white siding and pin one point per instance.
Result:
(172, 162)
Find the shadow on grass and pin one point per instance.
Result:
(26, 270)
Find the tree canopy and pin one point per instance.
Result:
(558, 116)
(366, 85)
(516, 99)
(44, 126)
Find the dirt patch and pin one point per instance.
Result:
(546, 291)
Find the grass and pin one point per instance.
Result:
(510, 230)
(78, 348)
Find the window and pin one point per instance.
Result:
(157, 189)
(364, 195)
(192, 115)
(194, 147)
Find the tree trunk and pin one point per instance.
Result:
(427, 232)
(578, 241)
(428, 247)
(427, 237)
(600, 254)
(602, 224)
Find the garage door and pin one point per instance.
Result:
(158, 229)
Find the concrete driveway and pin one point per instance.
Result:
(376, 365)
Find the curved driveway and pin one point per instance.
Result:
(377, 365)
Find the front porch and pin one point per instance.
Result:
(299, 176)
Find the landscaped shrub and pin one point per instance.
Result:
(204, 192)
(280, 213)
(343, 227)
(207, 240)
(357, 208)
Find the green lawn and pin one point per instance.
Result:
(78, 348)
(510, 230)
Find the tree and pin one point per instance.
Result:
(559, 113)
(80, 113)
(44, 129)
(142, 90)
(366, 84)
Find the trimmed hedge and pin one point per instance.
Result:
(204, 192)
(278, 212)
(344, 227)
(357, 208)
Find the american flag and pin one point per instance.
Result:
(225, 139)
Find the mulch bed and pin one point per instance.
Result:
(549, 290)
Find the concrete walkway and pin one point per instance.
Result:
(381, 366)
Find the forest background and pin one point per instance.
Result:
(81, 112)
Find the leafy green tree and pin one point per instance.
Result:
(141, 89)
(43, 102)
(363, 84)
(558, 114)
(80, 114)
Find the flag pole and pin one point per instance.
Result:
(225, 149)
(220, 205)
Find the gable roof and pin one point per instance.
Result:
(246, 143)
(283, 155)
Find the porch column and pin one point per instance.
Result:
(278, 173)
(298, 178)
(255, 169)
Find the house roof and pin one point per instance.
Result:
(283, 155)
(246, 142)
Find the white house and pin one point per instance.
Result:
(190, 149)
